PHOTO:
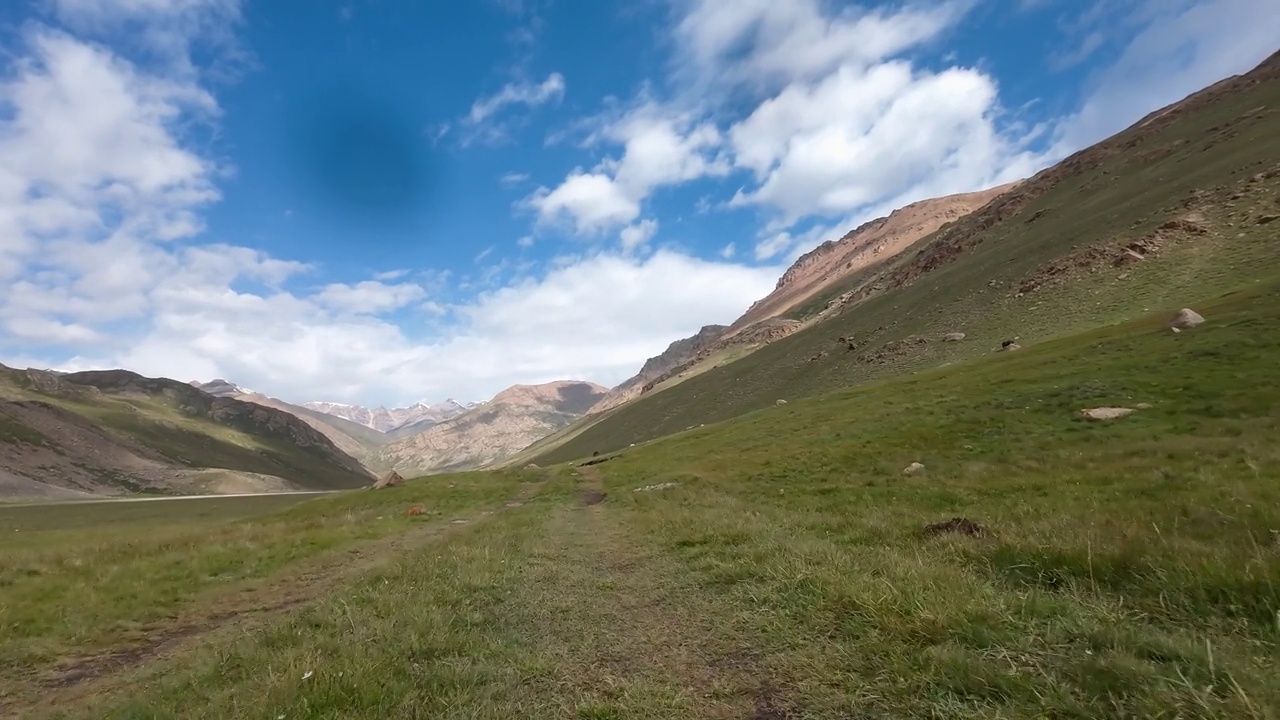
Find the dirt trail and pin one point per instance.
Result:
(240, 611)
(624, 629)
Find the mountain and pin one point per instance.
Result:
(1175, 208)
(386, 420)
(815, 272)
(869, 244)
(676, 354)
(513, 419)
(352, 438)
(112, 432)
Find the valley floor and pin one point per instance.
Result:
(772, 567)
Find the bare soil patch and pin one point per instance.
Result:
(956, 525)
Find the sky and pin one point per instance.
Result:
(387, 201)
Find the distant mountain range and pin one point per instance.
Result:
(421, 415)
(427, 438)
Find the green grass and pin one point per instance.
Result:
(1127, 192)
(1129, 568)
(80, 579)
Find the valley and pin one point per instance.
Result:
(971, 460)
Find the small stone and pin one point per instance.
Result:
(953, 337)
(914, 468)
(1106, 413)
(778, 402)
(1143, 406)
(1265, 219)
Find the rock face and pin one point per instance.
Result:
(122, 432)
(878, 240)
(677, 354)
(1185, 319)
(511, 421)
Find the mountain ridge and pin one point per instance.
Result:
(111, 432)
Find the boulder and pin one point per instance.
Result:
(1106, 413)
(391, 479)
(1186, 318)
(914, 468)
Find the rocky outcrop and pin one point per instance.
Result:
(677, 354)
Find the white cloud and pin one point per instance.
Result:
(633, 236)
(660, 147)
(369, 297)
(859, 136)
(774, 245)
(513, 178)
(529, 94)
(728, 251)
(762, 42)
(594, 318)
(166, 27)
(593, 201)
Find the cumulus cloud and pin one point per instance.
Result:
(660, 147)
(594, 318)
(633, 236)
(763, 43)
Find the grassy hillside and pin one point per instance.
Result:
(115, 431)
(1128, 568)
(351, 437)
(1193, 190)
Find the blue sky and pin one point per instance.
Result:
(381, 201)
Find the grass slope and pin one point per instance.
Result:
(1127, 569)
(1035, 264)
(176, 425)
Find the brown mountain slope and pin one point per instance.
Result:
(512, 420)
(817, 271)
(677, 354)
(113, 432)
(873, 242)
